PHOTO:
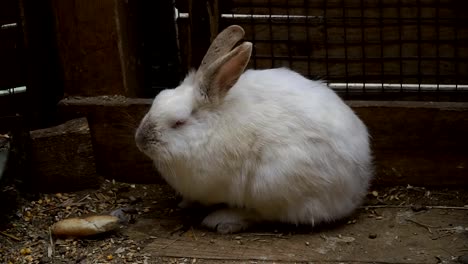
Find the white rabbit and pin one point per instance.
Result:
(271, 144)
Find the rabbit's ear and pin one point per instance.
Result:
(221, 45)
(221, 75)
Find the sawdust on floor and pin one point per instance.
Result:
(157, 231)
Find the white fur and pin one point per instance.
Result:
(280, 145)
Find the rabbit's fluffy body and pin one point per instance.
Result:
(278, 145)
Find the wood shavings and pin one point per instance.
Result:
(10, 236)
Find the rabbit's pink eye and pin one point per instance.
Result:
(178, 123)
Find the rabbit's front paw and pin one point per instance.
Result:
(226, 221)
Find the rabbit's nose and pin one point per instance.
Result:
(146, 136)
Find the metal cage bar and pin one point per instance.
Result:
(397, 45)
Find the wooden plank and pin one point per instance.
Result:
(62, 157)
(428, 135)
(129, 47)
(113, 121)
(414, 143)
(397, 240)
(92, 45)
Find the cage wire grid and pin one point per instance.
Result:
(359, 46)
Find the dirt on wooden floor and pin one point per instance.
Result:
(403, 224)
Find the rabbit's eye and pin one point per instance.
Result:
(178, 123)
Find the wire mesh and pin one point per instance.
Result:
(375, 48)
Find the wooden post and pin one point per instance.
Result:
(159, 49)
(93, 48)
(200, 31)
(40, 62)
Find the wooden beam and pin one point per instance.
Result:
(417, 143)
(420, 143)
(112, 122)
(199, 31)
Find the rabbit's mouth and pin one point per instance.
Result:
(150, 145)
(146, 141)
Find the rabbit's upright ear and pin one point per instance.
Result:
(221, 45)
(221, 75)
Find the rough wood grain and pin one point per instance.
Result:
(397, 240)
(113, 121)
(62, 157)
(92, 44)
(414, 143)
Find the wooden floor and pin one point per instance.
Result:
(374, 234)
(402, 224)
